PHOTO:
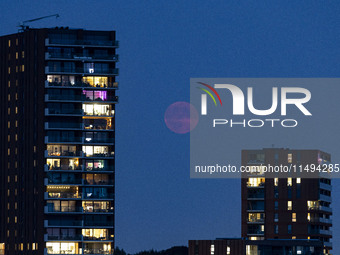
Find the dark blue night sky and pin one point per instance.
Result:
(162, 45)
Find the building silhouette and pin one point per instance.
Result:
(58, 96)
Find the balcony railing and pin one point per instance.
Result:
(97, 196)
(65, 167)
(98, 182)
(63, 195)
(75, 209)
(98, 223)
(63, 153)
(81, 85)
(50, 41)
(255, 232)
(78, 98)
(96, 113)
(63, 209)
(96, 251)
(61, 139)
(68, 181)
(108, 57)
(49, 111)
(107, 168)
(63, 238)
(64, 223)
(255, 220)
(63, 125)
(97, 127)
(99, 155)
(108, 71)
(99, 140)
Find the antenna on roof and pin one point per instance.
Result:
(23, 25)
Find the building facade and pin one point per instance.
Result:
(289, 207)
(241, 246)
(58, 96)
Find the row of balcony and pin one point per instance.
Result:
(78, 140)
(76, 238)
(75, 210)
(84, 196)
(80, 84)
(79, 112)
(320, 232)
(77, 223)
(77, 126)
(75, 181)
(81, 57)
(50, 251)
(79, 154)
(81, 71)
(80, 168)
(80, 98)
(81, 43)
(320, 208)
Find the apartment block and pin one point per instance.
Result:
(58, 96)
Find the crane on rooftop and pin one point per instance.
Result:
(23, 25)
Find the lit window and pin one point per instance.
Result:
(16, 55)
(9, 84)
(289, 205)
(289, 181)
(9, 151)
(228, 250)
(312, 205)
(293, 237)
(255, 182)
(9, 111)
(9, 43)
(23, 54)
(293, 217)
(23, 68)
(298, 180)
(276, 181)
(212, 249)
(9, 70)
(308, 216)
(290, 158)
(9, 97)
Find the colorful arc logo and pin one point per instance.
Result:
(204, 97)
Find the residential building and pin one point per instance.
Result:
(58, 96)
(286, 207)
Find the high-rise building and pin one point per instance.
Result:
(289, 207)
(58, 96)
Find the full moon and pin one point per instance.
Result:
(181, 117)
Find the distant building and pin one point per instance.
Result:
(286, 208)
(280, 215)
(58, 96)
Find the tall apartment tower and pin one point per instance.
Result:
(286, 208)
(58, 96)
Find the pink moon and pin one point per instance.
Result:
(181, 117)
